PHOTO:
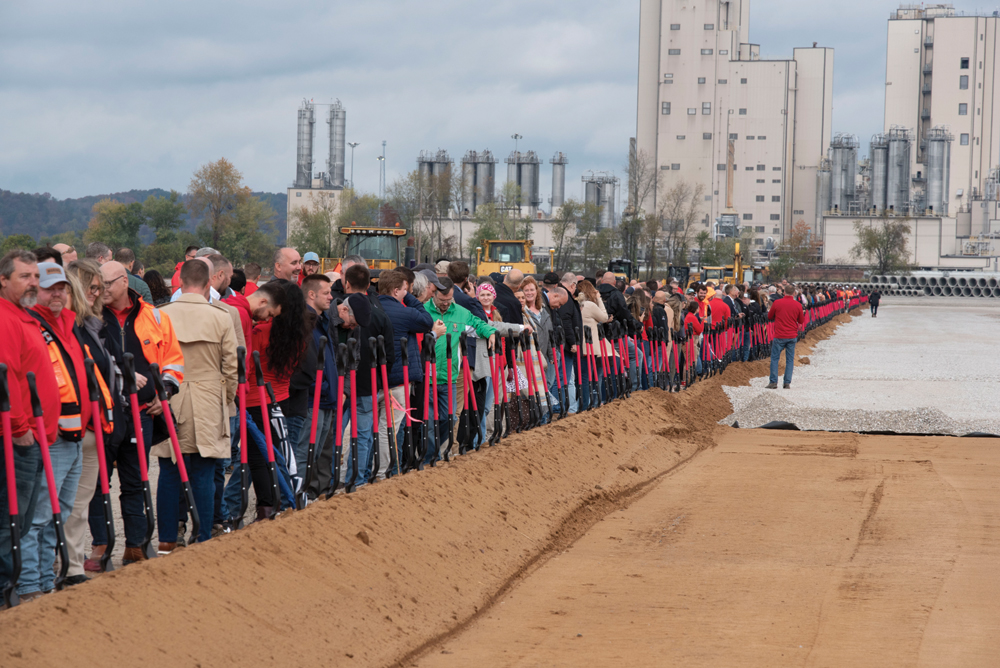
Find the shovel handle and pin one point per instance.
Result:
(258, 371)
(241, 365)
(4, 391)
(404, 354)
(129, 372)
(36, 402)
(321, 353)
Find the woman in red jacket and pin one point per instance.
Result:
(692, 318)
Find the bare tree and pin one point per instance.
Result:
(679, 211)
(644, 180)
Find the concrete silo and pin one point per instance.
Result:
(937, 160)
(558, 198)
(337, 120)
(478, 179)
(304, 146)
(897, 196)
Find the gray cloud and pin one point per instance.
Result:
(107, 96)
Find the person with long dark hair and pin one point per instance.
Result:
(281, 342)
(157, 287)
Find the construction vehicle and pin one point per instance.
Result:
(500, 256)
(379, 246)
(621, 268)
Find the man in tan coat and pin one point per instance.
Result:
(201, 407)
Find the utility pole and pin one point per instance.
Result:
(381, 183)
(353, 145)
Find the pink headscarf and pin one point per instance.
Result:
(486, 287)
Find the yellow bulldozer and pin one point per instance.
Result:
(379, 246)
(500, 256)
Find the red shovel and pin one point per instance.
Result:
(102, 464)
(10, 598)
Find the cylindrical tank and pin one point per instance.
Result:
(468, 184)
(607, 202)
(512, 164)
(304, 148)
(936, 161)
(823, 179)
(485, 178)
(898, 180)
(559, 162)
(338, 144)
(591, 192)
(844, 169)
(879, 153)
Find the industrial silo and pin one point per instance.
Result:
(897, 196)
(590, 191)
(879, 165)
(304, 148)
(843, 170)
(337, 120)
(607, 202)
(523, 169)
(823, 188)
(425, 168)
(469, 183)
(486, 169)
(559, 163)
(937, 162)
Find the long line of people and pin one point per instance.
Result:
(312, 384)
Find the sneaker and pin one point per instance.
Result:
(76, 579)
(771, 386)
(787, 386)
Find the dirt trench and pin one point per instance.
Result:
(377, 577)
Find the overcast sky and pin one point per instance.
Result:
(99, 97)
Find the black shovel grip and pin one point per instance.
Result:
(373, 351)
(36, 402)
(161, 391)
(353, 360)
(447, 344)
(241, 365)
(258, 371)
(462, 339)
(404, 353)
(95, 390)
(4, 390)
(381, 350)
(321, 354)
(342, 359)
(128, 362)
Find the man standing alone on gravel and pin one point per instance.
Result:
(787, 314)
(873, 300)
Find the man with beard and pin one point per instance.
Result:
(23, 350)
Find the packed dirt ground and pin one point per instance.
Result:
(642, 531)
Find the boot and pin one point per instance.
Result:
(93, 562)
(165, 549)
(132, 555)
(264, 512)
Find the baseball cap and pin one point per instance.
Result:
(433, 279)
(49, 274)
(551, 278)
(310, 257)
(690, 291)
(362, 308)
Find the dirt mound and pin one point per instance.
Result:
(375, 577)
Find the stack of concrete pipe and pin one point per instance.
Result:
(939, 284)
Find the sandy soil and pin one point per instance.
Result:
(600, 525)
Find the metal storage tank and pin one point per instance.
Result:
(937, 161)
(425, 168)
(468, 184)
(879, 152)
(478, 179)
(607, 201)
(590, 190)
(823, 177)
(843, 170)
(337, 120)
(559, 163)
(898, 170)
(524, 170)
(304, 148)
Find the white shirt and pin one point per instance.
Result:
(215, 295)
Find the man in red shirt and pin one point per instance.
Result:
(66, 355)
(23, 350)
(787, 314)
(175, 282)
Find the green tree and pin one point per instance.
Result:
(16, 242)
(250, 234)
(882, 243)
(316, 226)
(705, 243)
(165, 215)
(215, 193)
(116, 225)
(562, 233)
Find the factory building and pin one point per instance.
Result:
(309, 186)
(703, 84)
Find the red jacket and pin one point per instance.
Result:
(261, 337)
(787, 314)
(63, 328)
(720, 311)
(240, 303)
(693, 319)
(23, 350)
(175, 282)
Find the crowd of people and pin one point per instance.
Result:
(311, 383)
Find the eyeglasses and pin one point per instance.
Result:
(95, 289)
(115, 279)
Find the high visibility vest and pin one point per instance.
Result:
(107, 406)
(70, 421)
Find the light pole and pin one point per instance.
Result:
(516, 137)
(353, 145)
(381, 182)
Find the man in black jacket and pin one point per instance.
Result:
(356, 282)
(340, 290)
(572, 321)
(506, 302)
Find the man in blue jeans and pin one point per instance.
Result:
(787, 314)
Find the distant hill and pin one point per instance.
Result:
(41, 215)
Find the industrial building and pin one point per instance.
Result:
(702, 85)
(310, 186)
